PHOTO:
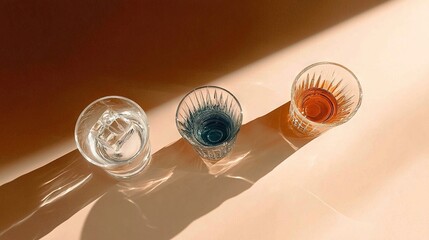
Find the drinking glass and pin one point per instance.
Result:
(209, 118)
(113, 133)
(324, 95)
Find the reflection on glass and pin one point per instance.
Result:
(324, 95)
(209, 118)
(113, 133)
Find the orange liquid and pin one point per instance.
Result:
(317, 104)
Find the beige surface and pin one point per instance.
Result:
(366, 179)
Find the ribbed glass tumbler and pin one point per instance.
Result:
(324, 95)
(209, 118)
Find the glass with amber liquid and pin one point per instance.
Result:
(324, 95)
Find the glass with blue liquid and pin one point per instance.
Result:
(209, 118)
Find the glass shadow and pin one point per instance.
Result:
(174, 190)
(178, 187)
(35, 203)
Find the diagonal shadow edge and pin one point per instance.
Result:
(182, 188)
(175, 189)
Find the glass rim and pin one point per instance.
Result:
(293, 104)
(79, 147)
(209, 87)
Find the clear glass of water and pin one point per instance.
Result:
(324, 95)
(209, 118)
(113, 133)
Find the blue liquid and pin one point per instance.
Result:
(213, 128)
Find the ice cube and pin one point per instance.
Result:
(112, 130)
